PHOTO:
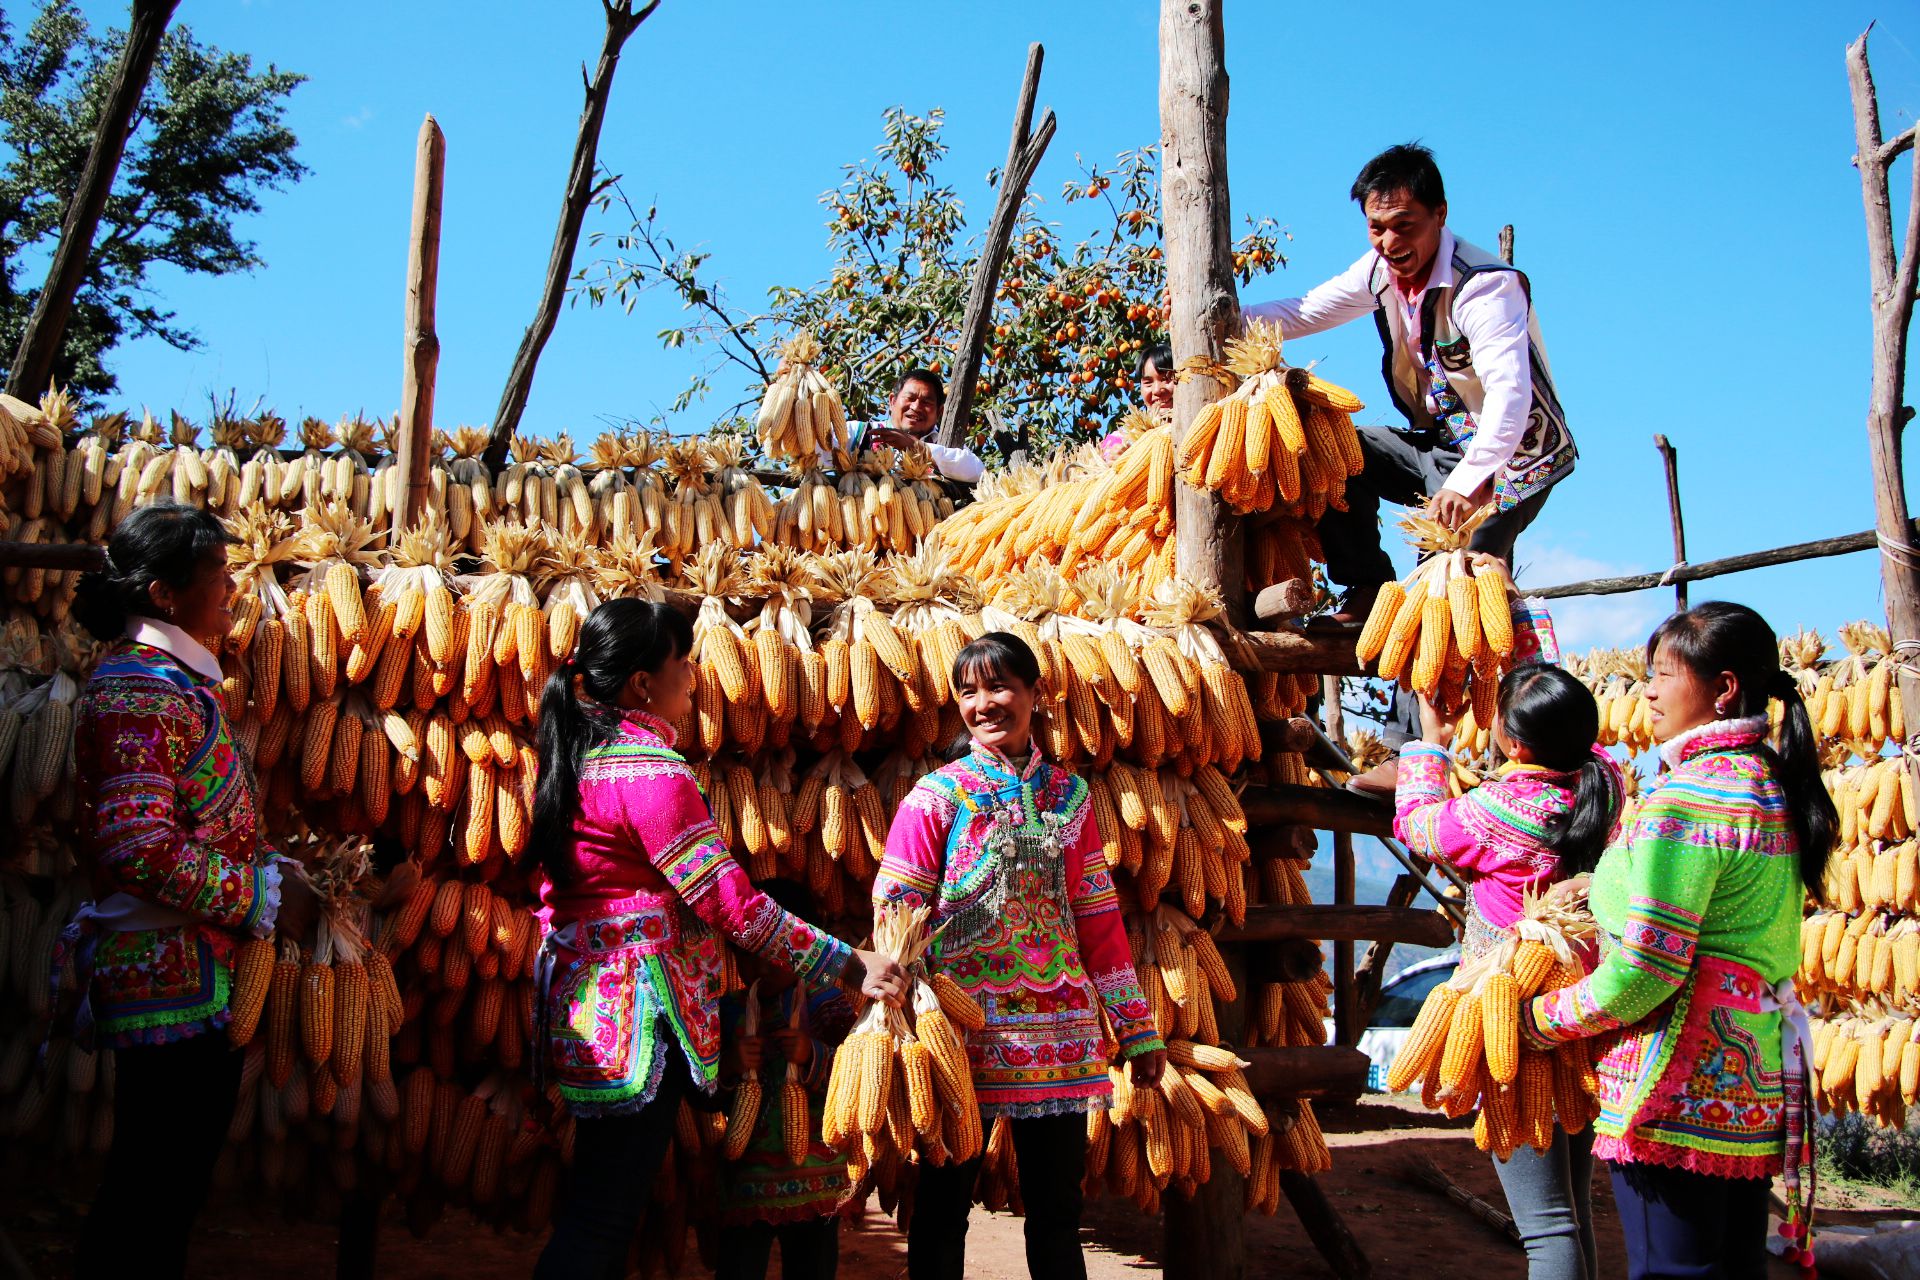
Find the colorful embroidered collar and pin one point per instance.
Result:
(999, 763)
(1717, 735)
(176, 644)
(647, 722)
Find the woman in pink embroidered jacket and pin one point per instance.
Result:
(643, 895)
(1543, 817)
(168, 830)
(1002, 844)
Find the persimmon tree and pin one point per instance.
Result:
(1078, 299)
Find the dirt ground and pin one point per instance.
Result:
(1405, 1229)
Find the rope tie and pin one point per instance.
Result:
(1666, 579)
(1900, 551)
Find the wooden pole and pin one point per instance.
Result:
(1506, 244)
(39, 352)
(422, 346)
(1892, 275)
(1205, 1232)
(622, 21)
(1197, 217)
(1794, 554)
(1669, 456)
(1023, 157)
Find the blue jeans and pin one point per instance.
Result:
(1682, 1225)
(1549, 1193)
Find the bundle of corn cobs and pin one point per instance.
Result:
(1447, 631)
(1465, 1049)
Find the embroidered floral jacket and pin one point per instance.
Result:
(763, 1185)
(636, 923)
(1011, 863)
(167, 816)
(1701, 907)
(1495, 835)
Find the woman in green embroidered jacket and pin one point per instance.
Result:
(1703, 1059)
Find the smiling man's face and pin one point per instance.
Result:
(916, 407)
(1406, 233)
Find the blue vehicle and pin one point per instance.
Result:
(1400, 1002)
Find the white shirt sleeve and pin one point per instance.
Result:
(957, 464)
(1343, 298)
(1491, 313)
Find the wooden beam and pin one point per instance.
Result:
(1346, 1028)
(1327, 922)
(1284, 601)
(1023, 157)
(1305, 1071)
(1799, 551)
(1197, 233)
(1319, 650)
(39, 352)
(414, 446)
(1323, 808)
(83, 556)
(622, 21)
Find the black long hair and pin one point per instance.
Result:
(1721, 636)
(618, 638)
(167, 542)
(1556, 718)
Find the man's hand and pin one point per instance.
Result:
(1452, 509)
(894, 438)
(796, 1046)
(1436, 726)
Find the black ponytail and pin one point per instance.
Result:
(618, 638)
(1556, 718)
(1718, 637)
(167, 542)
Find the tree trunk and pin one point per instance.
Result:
(415, 444)
(1023, 157)
(622, 20)
(1197, 217)
(1892, 276)
(33, 364)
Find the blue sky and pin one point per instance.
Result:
(1679, 176)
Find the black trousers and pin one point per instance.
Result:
(809, 1250)
(1404, 469)
(172, 1104)
(1681, 1225)
(615, 1160)
(1051, 1152)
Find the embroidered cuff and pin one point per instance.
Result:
(265, 913)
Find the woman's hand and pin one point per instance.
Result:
(796, 1046)
(1436, 726)
(877, 977)
(1570, 892)
(1148, 1068)
(746, 1054)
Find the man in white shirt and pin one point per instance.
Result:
(1464, 364)
(913, 412)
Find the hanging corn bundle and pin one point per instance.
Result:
(727, 690)
(747, 514)
(901, 1087)
(1447, 631)
(744, 1112)
(801, 415)
(1281, 437)
(1465, 1049)
(1869, 1062)
(1224, 729)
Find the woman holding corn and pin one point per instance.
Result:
(1002, 845)
(1703, 1069)
(1545, 816)
(169, 831)
(640, 893)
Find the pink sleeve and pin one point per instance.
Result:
(1104, 953)
(671, 821)
(1430, 824)
(916, 856)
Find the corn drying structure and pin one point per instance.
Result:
(385, 682)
